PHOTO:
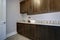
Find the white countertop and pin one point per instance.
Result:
(40, 23)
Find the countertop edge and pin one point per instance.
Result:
(40, 24)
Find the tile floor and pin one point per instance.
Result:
(17, 37)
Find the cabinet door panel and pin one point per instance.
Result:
(51, 32)
(55, 5)
(23, 6)
(20, 28)
(40, 6)
(57, 33)
(44, 33)
(34, 6)
(44, 7)
(41, 33)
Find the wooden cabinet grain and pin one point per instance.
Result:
(57, 33)
(25, 30)
(54, 5)
(23, 7)
(51, 32)
(39, 32)
(39, 6)
(34, 6)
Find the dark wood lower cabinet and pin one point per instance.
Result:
(57, 33)
(39, 32)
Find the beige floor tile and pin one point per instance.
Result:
(17, 37)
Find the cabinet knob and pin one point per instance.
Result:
(4, 22)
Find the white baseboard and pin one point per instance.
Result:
(10, 34)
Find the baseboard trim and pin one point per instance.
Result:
(10, 34)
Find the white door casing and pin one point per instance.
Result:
(2, 19)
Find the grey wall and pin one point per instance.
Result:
(13, 14)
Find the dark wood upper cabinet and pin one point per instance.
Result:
(55, 5)
(39, 6)
(23, 7)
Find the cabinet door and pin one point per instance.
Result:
(19, 28)
(23, 7)
(57, 33)
(51, 33)
(44, 33)
(40, 6)
(40, 33)
(34, 6)
(55, 5)
(25, 30)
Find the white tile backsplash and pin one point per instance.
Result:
(47, 18)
